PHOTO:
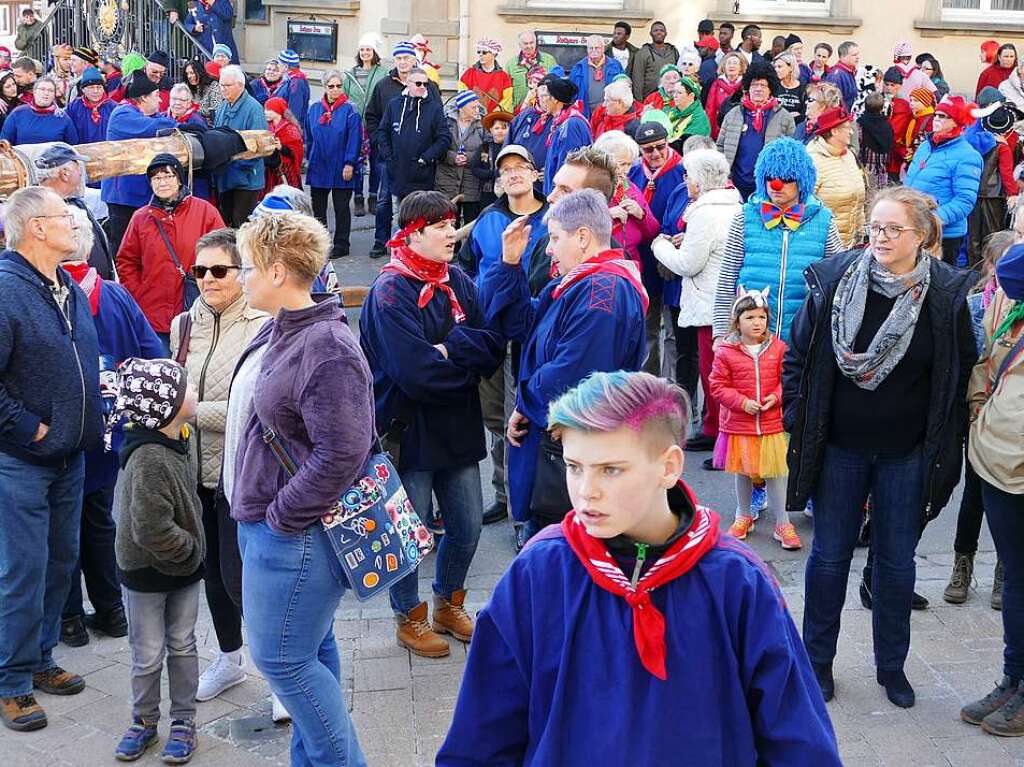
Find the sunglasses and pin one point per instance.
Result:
(219, 271)
(654, 148)
(418, 83)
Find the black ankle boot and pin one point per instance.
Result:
(897, 687)
(917, 602)
(823, 673)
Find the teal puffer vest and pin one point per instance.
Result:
(777, 257)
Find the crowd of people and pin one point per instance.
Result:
(832, 246)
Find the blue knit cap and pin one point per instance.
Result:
(403, 48)
(272, 203)
(288, 57)
(221, 48)
(1010, 272)
(465, 97)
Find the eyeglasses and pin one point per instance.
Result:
(418, 83)
(219, 271)
(164, 176)
(69, 218)
(891, 231)
(333, 86)
(652, 148)
(515, 170)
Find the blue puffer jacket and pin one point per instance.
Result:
(128, 121)
(581, 76)
(245, 114)
(49, 366)
(951, 173)
(777, 257)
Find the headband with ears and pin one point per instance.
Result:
(759, 297)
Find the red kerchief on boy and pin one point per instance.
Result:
(680, 558)
(434, 275)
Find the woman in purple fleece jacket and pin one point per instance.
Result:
(314, 390)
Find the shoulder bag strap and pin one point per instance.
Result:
(184, 337)
(167, 244)
(1008, 360)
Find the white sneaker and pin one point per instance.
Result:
(221, 675)
(279, 713)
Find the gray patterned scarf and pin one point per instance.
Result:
(869, 368)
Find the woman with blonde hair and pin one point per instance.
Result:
(730, 78)
(874, 392)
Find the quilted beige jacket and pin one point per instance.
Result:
(216, 343)
(840, 186)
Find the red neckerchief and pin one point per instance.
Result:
(564, 115)
(681, 557)
(674, 158)
(612, 261)
(613, 122)
(433, 274)
(845, 68)
(942, 138)
(542, 120)
(329, 108)
(95, 107)
(193, 108)
(88, 279)
(271, 88)
(758, 112)
(43, 110)
(529, 63)
(598, 68)
(296, 72)
(620, 194)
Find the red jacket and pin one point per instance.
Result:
(899, 119)
(992, 75)
(736, 376)
(290, 170)
(719, 91)
(145, 267)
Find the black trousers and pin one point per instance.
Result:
(96, 557)
(988, 216)
(342, 215)
(223, 569)
(972, 511)
(687, 359)
(116, 225)
(951, 249)
(235, 205)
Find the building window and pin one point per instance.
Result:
(5, 19)
(255, 10)
(989, 10)
(788, 7)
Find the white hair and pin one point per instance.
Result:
(707, 169)
(84, 233)
(22, 207)
(689, 55)
(621, 90)
(586, 208)
(615, 141)
(694, 143)
(233, 72)
(181, 87)
(594, 40)
(525, 32)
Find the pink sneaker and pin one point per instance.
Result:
(786, 535)
(741, 527)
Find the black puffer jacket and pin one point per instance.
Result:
(809, 372)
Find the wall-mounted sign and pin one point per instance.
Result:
(566, 47)
(314, 40)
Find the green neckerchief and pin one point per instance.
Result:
(1015, 315)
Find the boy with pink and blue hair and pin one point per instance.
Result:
(634, 632)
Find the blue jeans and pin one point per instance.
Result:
(896, 485)
(382, 230)
(376, 171)
(1005, 512)
(460, 500)
(40, 514)
(96, 558)
(291, 586)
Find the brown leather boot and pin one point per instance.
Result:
(450, 617)
(57, 681)
(414, 634)
(22, 713)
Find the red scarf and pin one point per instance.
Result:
(52, 109)
(88, 279)
(193, 108)
(598, 68)
(608, 262)
(95, 107)
(757, 111)
(433, 274)
(528, 63)
(681, 557)
(564, 115)
(674, 158)
(542, 120)
(845, 68)
(602, 121)
(329, 108)
(617, 226)
(271, 88)
(296, 72)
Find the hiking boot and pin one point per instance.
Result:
(223, 674)
(450, 617)
(741, 527)
(113, 623)
(359, 206)
(22, 713)
(709, 465)
(786, 535)
(975, 713)
(496, 512)
(961, 580)
(997, 587)
(414, 634)
(57, 681)
(371, 205)
(826, 682)
(181, 742)
(897, 687)
(1008, 720)
(703, 443)
(378, 250)
(137, 738)
(73, 633)
(917, 602)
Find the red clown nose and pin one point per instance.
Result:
(776, 184)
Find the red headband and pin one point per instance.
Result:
(416, 225)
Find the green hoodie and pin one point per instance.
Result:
(359, 94)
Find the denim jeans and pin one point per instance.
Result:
(896, 484)
(1005, 512)
(291, 586)
(96, 558)
(376, 172)
(382, 228)
(160, 624)
(461, 503)
(40, 514)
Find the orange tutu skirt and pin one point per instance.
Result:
(758, 457)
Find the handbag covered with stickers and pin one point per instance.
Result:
(376, 533)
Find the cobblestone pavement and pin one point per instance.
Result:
(402, 704)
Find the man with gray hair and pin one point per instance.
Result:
(589, 317)
(240, 182)
(593, 72)
(60, 168)
(49, 414)
(526, 60)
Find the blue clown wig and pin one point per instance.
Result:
(787, 159)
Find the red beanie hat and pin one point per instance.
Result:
(958, 109)
(277, 104)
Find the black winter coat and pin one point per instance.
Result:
(412, 138)
(381, 96)
(810, 369)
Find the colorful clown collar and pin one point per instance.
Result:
(772, 215)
